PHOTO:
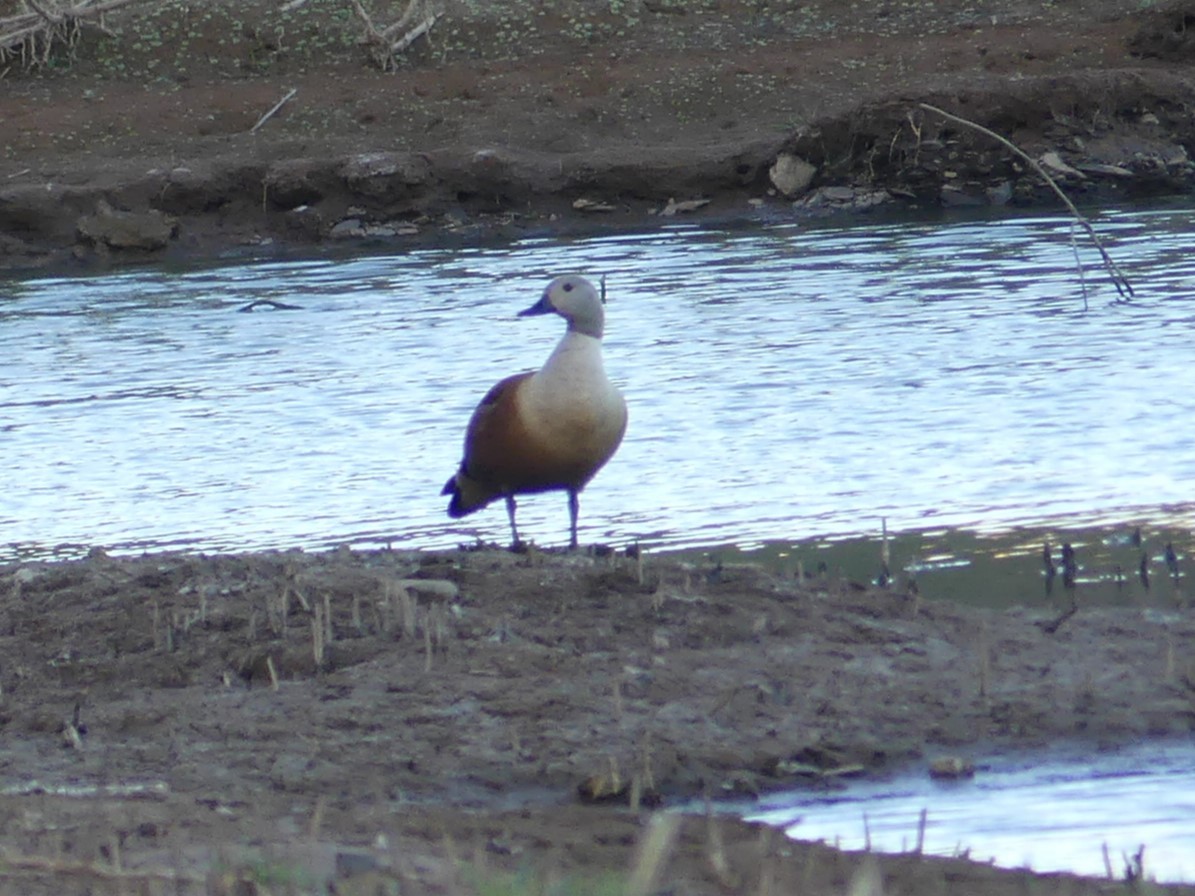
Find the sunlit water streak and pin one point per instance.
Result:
(1053, 814)
(782, 382)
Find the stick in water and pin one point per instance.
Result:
(1119, 280)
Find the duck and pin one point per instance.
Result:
(546, 430)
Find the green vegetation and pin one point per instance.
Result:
(528, 882)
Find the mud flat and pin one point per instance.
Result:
(408, 721)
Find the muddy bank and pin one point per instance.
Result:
(579, 117)
(256, 692)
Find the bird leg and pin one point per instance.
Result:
(511, 506)
(574, 506)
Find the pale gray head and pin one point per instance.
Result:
(575, 299)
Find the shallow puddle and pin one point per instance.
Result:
(1089, 815)
(1134, 563)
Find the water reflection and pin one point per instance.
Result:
(783, 383)
(1124, 564)
(1055, 813)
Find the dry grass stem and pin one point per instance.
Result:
(315, 825)
(318, 634)
(427, 648)
(985, 661)
(654, 850)
(716, 852)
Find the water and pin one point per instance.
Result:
(1057, 813)
(783, 383)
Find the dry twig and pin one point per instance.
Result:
(1119, 280)
(387, 43)
(278, 105)
(32, 34)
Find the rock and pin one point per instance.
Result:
(687, 205)
(838, 194)
(956, 197)
(1000, 194)
(791, 175)
(842, 198)
(1105, 170)
(951, 767)
(592, 205)
(349, 228)
(1053, 163)
(24, 576)
(435, 589)
(115, 229)
(384, 174)
(352, 862)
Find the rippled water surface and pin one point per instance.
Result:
(1060, 814)
(783, 383)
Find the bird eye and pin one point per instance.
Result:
(568, 287)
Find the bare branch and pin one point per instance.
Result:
(278, 105)
(1119, 280)
(383, 43)
(32, 35)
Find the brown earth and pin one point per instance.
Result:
(444, 740)
(431, 722)
(139, 141)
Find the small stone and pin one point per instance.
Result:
(592, 205)
(951, 767)
(686, 205)
(1105, 170)
(1052, 161)
(839, 194)
(440, 589)
(116, 229)
(348, 228)
(791, 175)
(1001, 194)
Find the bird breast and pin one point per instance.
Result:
(570, 404)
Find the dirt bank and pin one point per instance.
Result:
(510, 119)
(431, 714)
